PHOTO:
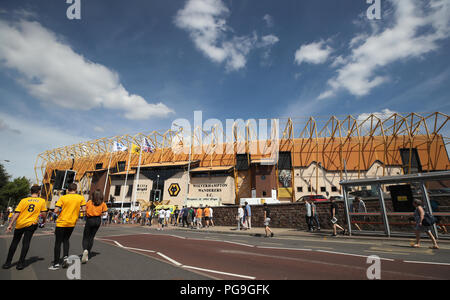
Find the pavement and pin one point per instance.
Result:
(224, 253)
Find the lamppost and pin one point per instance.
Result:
(157, 187)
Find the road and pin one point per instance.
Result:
(135, 252)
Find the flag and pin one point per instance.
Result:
(119, 147)
(147, 147)
(135, 149)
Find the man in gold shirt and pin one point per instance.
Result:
(68, 207)
(26, 215)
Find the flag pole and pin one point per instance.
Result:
(137, 179)
(126, 176)
(107, 176)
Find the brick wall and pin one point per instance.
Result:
(292, 215)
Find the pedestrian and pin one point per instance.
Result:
(199, 216)
(95, 208)
(240, 217)
(211, 216)
(359, 207)
(176, 214)
(5, 217)
(421, 226)
(190, 219)
(315, 216)
(207, 213)
(439, 224)
(104, 219)
(168, 216)
(180, 219)
(248, 216)
(267, 218)
(161, 219)
(68, 209)
(110, 216)
(334, 214)
(308, 215)
(26, 218)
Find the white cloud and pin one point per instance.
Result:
(269, 20)
(205, 20)
(34, 138)
(7, 128)
(314, 53)
(416, 31)
(52, 72)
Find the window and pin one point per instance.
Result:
(130, 191)
(334, 189)
(117, 190)
(263, 177)
(121, 165)
(284, 161)
(99, 166)
(242, 162)
(299, 189)
(309, 189)
(264, 194)
(323, 189)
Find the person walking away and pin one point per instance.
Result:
(248, 217)
(334, 214)
(26, 217)
(95, 208)
(308, 215)
(419, 216)
(361, 209)
(68, 207)
(161, 218)
(207, 213)
(240, 217)
(315, 216)
(199, 216)
(267, 218)
(5, 217)
(104, 219)
(211, 216)
(439, 224)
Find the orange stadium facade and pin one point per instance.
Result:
(310, 161)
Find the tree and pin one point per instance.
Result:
(4, 177)
(14, 191)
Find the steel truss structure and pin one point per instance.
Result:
(333, 143)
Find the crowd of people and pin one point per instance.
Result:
(31, 213)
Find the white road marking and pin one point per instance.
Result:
(350, 254)
(425, 262)
(280, 248)
(219, 272)
(177, 263)
(137, 249)
(169, 259)
(241, 244)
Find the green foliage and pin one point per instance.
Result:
(4, 177)
(14, 191)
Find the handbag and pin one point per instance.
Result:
(428, 220)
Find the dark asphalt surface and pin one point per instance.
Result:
(126, 252)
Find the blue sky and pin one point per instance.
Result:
(136, 66)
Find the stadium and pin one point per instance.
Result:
(313, 156)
